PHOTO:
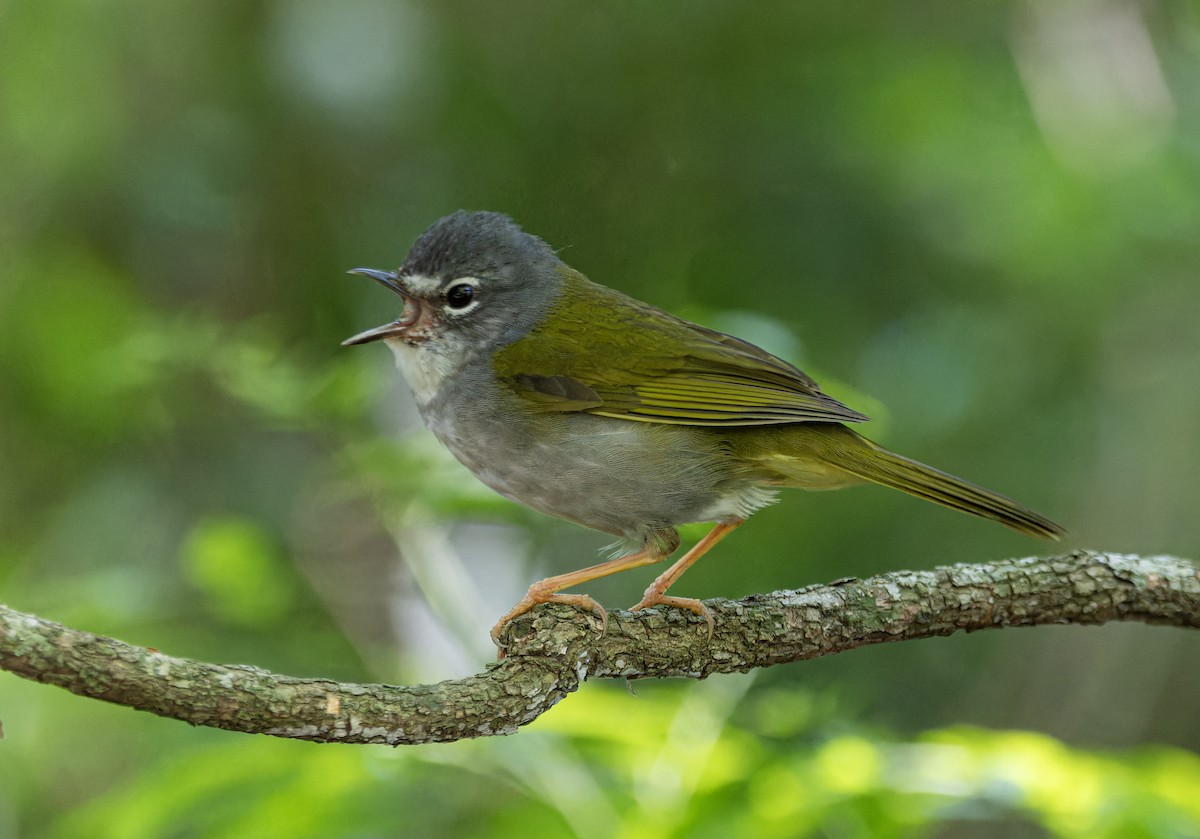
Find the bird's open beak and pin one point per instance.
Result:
(412, 308)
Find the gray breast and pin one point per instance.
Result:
(617, 476)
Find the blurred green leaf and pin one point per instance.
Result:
(655, 781)
(239, 569)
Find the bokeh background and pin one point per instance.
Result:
(978, 223)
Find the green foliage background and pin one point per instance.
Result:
(976, 222)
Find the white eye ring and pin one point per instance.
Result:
(462, 296)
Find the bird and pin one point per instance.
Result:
(581, 402)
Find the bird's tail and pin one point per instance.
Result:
(854, 454)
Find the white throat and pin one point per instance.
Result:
(427, 366)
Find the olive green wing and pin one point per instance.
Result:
(600, 352)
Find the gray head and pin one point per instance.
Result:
(475, 276)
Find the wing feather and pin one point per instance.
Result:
(600, 352)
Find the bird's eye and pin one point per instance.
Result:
(460, 295)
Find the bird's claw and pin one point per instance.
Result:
(653, 598)
(580, 601)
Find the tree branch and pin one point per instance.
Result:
(554, 648)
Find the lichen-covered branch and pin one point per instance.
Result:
(554, 648)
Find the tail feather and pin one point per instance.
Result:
(875, 463)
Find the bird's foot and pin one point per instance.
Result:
(536, 596)
(653, 598)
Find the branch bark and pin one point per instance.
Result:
(554, 648)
